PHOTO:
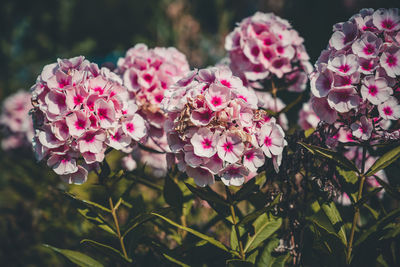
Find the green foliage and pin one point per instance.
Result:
(76, 257)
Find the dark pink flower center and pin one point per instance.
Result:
(130, 127)
(228, 147)
(216, 101)
(242, 97)
(267, 54)
(116, 136)
(267, 41)
(99, 90)
(344, 68)
(391, 60)
(60, 100)
(372, 90)
(255, 51)
(78, 99)
(102, 113)
(280, 49)
(89, 137)
(267, 141)
(387, 24)
(226, 83)
(369, 49)
(278, 64)
(206, 143)
(388, 111)
(148, 78)
(367, 65)
(159, 98)
(249, 156)
(80, 124)
(257, 68)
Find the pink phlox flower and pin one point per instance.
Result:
(375, 90)
(271, 139)
(345, 36)
(363, 129)
(387, 19)
(230, 147)
(390, 109)
(234, 174)
(205, 142)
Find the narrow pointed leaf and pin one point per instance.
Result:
(384, 161)
(97, 220)
(111, 250)
(367, 196)
(210, 239)
(334, 217)
(87, 202)
(393, 192)
(264, 226)
(330, 154)
(252, 216)
(76, 257)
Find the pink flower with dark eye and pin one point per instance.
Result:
(363, 129)
(343, 64)
(135, 127)
(201, 176)
(367, 46)
(62, 164)
(390, 109)
(204, 142)
(323, 110)
(230, 147)
(105, 112)
(271, 139)
(253, 159)
(344, 37)
(217, 97)
(343, 100)
(322, 83)
(77, 123)
(234, 174)
(78, 177)
(375, 90)
(387, 20)
(390, 61)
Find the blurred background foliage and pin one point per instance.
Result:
(33, 209)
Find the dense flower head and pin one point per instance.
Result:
(265, 46)
(80, 111)
(215, 128)
(357, 78)
(147, 73)
(16, 122)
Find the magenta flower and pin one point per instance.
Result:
(204, 142)
(375, 90)
(230, 147)
(390, 109)
(271, 139)
(80, 110)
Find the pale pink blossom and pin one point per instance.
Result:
(390, 109)
(375, 90)
(387, 19)
(363, 129)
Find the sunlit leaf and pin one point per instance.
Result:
(113, 251)
(334, 217)
(384, 161)
(88, 202)
(97, 220)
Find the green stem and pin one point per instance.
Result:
(114, 215)
(356, 208)
(235, 223)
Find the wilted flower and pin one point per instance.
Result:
(215, 128)
(79, 111)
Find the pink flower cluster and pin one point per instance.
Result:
(79, 111)
(147, 73)
(215, 128)
(15, 119)
(265, 46)
(356, 80)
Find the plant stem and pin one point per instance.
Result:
(357, 209)
(233, 215)
(114, 215)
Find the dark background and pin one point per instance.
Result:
(35, 33)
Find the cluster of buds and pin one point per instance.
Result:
(147, 73)
(356, 82)
(79, 111)
(15, 119)
(215, 128)
(265, 46)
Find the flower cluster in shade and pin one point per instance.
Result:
(147, 73)
(79, 112)
(265, 46)
(215, 128)
(16, 121)
(356, 81)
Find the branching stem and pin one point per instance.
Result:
(115, 217)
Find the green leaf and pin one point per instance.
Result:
(142, 218)
(210, 239)
(114, 252)
(238, 263)
(97, 220)
(264, 227)
(265, 259)
(252, 216)
(367, 196)
(87, 202)
(332, 155)
(321, 220)
(250, 187)
(350, 177)
(76, 257)
(334, 217)
(374, 213)
(388, 188)
(384, 161)
(172, 193)
(169, 255)
(309, 132)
